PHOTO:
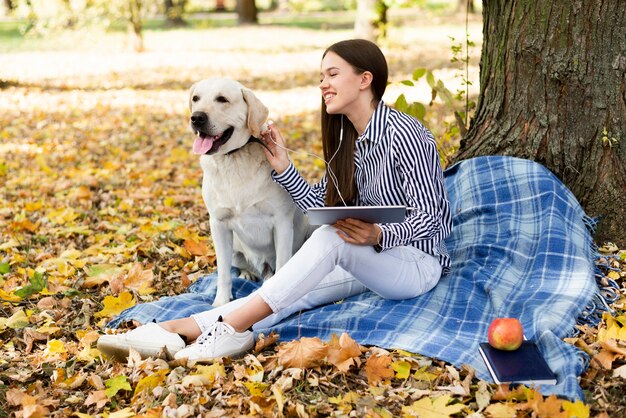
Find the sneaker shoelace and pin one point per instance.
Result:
(209, 337)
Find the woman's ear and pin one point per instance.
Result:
(366, 80)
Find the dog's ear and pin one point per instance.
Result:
(191, 90)
(257, 112)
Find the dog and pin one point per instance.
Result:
(254, 223)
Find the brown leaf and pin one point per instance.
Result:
(342, 351)
(263, 342)
(97, 397)
(378, 368)
(304, 353)
(196, 247)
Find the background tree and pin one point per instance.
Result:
(553, 89)
(371, 19)
(466, 5)
(174, 11)
(246, 12)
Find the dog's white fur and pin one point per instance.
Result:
(254, 223)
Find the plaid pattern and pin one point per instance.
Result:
(520, 247)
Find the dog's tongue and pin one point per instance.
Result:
(202, 145)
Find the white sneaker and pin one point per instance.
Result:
(148, 340)
(220, 340)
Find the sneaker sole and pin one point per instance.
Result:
(208, 360)
(112, 348)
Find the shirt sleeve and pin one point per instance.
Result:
(422, 182)
(303, 194)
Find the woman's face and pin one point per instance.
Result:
(339, 83)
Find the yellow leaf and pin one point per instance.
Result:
(255, 388)
(500, 410)
(122, 413)
(212, 372)
(613, 275)
(432, 408)
(402, 369)
(422, 374)
(10, 297)
(56, 347)
(576, 409)
(614, 328)
(148, 383)
(18, 320)
(115, 305)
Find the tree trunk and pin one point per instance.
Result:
(135, 24)
(553, 90)
(174, 10)
(9, 6)
(466, 6)
(371, 20)
(246, 12)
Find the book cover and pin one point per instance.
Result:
(525, 365)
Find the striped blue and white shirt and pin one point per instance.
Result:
(396, 163)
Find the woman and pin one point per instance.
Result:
(375, 156)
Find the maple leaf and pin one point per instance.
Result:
(342, 351)
(378, 368)
(97, 397)
(548, 407)
(147, 383)
(303, 353)
(402, 369)
(115, 384)
(99, 273)
(432, 408)
(263, 342)
(576, 409)
(615, 328)
(37, 284)
(115, 305)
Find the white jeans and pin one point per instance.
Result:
(327, 269)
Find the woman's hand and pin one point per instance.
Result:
(358, 232)
(276, 153)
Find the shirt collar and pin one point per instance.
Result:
(376, 126)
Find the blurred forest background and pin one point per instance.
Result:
(100, 204)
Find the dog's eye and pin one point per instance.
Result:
(221, 99)
(195, 98)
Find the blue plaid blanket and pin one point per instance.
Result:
(520, 248)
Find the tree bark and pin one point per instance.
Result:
(371, 20)
(246, 12)
(553, 90)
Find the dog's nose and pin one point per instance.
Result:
(199, 118)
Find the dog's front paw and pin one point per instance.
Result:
(248, 275)
(221, 298)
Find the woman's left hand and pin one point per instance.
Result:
(358, 232)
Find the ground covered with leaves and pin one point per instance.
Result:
(100, 209)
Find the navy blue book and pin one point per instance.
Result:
(525, 365)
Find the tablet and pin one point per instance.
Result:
(372, 214)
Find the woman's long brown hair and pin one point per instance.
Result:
(363, 56)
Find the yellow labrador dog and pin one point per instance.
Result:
(254, 223)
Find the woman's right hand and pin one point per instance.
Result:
(276, 153)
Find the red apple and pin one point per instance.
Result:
(505, 334)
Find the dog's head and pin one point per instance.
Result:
(224, 114)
